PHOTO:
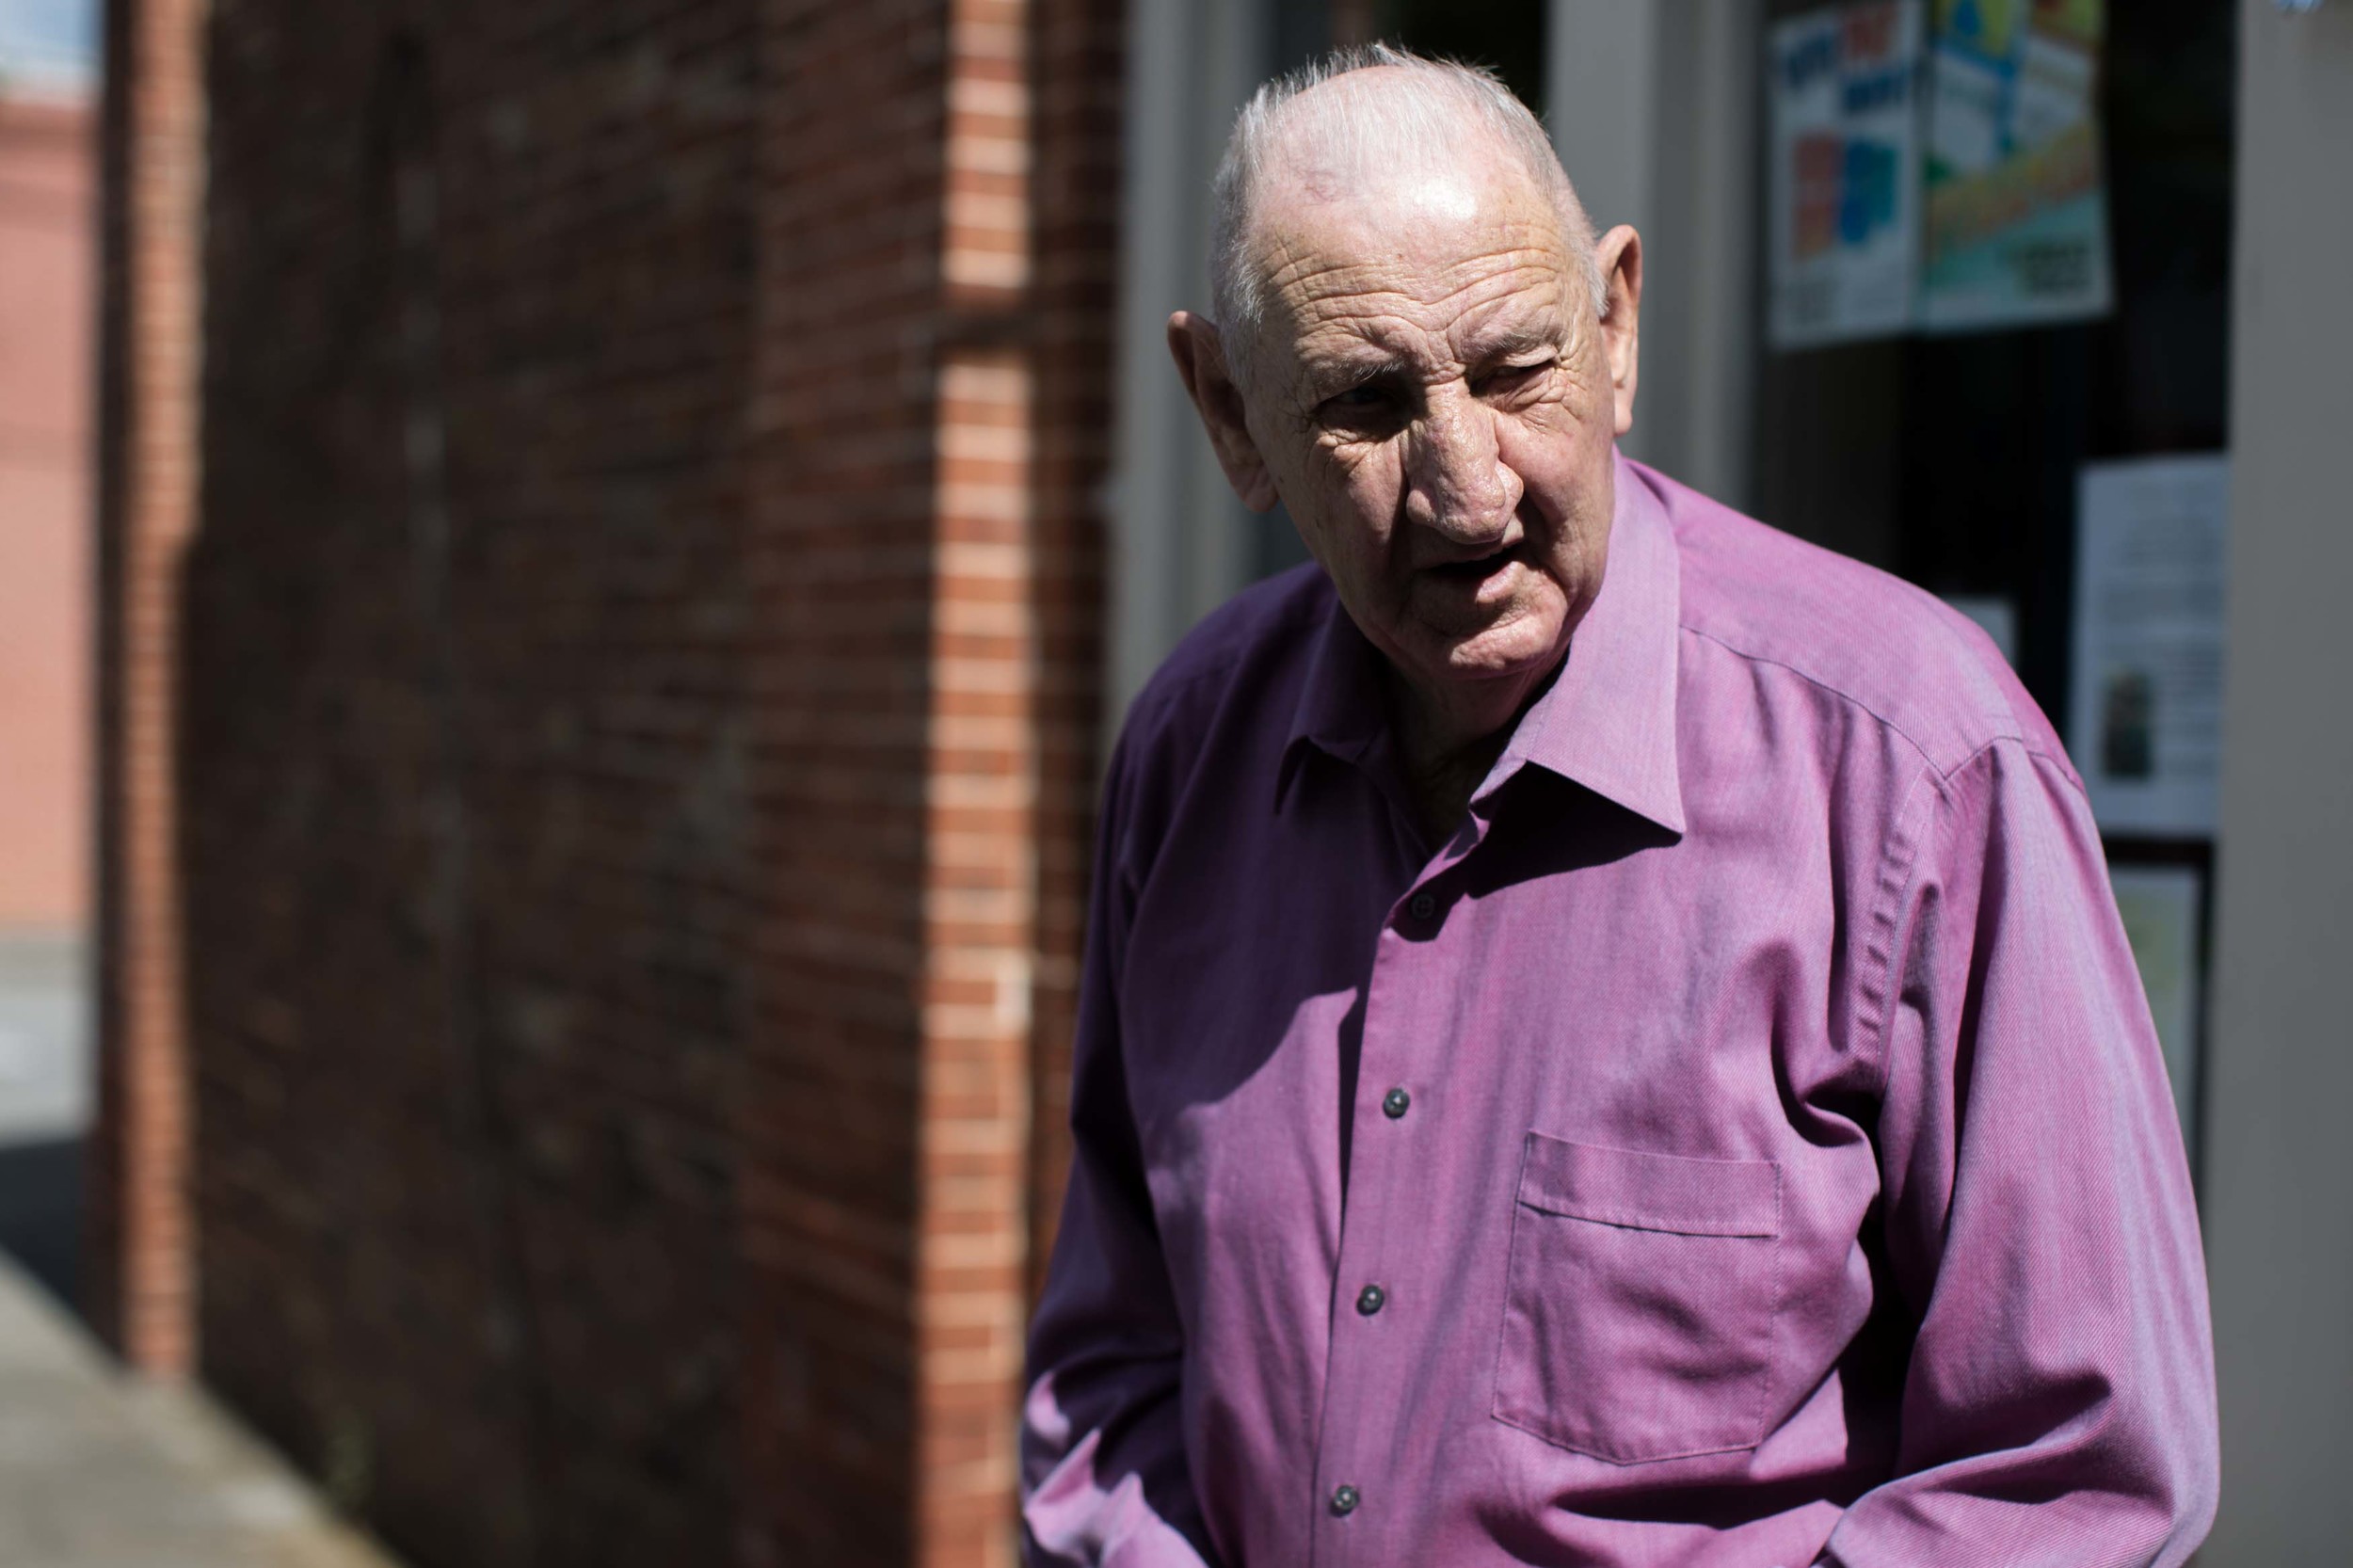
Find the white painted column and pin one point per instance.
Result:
(2279, 1175)
(1653, 105)
(1180, 539)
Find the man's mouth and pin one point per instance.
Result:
(1475, 570)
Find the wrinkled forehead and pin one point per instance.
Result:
(1437, 250)
(1324, 175)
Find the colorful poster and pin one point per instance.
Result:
(2145, 702)
(1846, 172)
(2015, 230)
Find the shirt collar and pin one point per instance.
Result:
(1607, 723)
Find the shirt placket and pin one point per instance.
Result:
(1399, 1119)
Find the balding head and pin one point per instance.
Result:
(1376, 125)
(1424, 354)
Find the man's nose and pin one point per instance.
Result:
(1457, 484)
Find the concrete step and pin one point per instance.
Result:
(102, 1469)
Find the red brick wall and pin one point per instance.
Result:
(639, 732)
(137, 1274)
(840, 562)
(469, 763)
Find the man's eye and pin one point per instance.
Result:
(1512, 377)
(1359, 406)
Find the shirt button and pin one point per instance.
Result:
(1372, 1299)
(1393, 1104)
(1423, 906)
(1345, 1499)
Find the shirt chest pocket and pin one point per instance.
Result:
(1638, 1315)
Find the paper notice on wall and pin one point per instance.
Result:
(1846, 172)
(2159, 905)
(2146, 698)
(2015, 225)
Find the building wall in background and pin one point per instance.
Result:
(638, 726)
(48, 264)
(48, 175)
(468, 759)
(2279, 1166)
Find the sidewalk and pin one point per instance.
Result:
(100, 1471)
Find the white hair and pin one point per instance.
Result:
(1436, 101)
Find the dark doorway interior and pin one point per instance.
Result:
(41, 1211)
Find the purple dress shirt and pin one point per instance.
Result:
(1742, 1142)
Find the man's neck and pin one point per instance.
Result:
(1447, 742)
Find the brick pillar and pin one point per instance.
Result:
(139, 1265)
(980, 906)
(930, 400)
(980, 884)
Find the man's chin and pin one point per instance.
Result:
(1522, 645)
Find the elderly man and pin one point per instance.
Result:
(1605, 1039)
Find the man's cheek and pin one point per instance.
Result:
(1357, 499)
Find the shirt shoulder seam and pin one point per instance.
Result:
(1891, 921)
(2012, 732)
(1945, 775)
(1897, 900)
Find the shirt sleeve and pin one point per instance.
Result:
(1104, 1478)
(2060, 1406)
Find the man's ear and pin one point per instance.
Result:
(1200, 356)
(1620, 257)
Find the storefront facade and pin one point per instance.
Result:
(1981, 463)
